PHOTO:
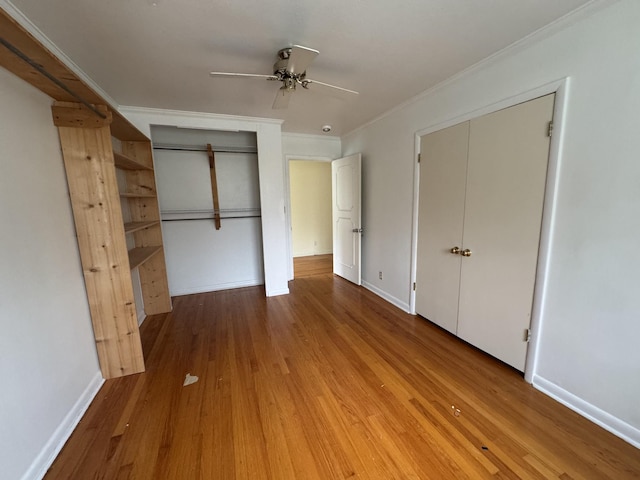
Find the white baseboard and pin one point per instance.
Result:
(216, 287)
(607, 421)
(389, 298)
(50, 451)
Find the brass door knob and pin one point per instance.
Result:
(466, 252)
(455, 250)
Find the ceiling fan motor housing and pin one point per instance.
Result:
(290, 79)
(280, 67)
(284, 53)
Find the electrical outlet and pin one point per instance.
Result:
(380, 274)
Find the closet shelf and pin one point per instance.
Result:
(137, 195)
(225, 214)
(139, 255)
(135, 226)
(126, 163)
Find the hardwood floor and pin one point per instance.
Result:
(329, 382)
(312, 265)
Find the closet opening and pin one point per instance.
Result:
(209, 196)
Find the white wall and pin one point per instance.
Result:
(311, 146)
(271, 169)
(48, 364)
(588, 342)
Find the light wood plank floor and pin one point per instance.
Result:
(329, 382)
(312, 265)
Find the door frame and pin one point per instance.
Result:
(561, 89)
(287, 201)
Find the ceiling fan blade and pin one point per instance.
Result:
(300, 58)
(309, 81)
(282, 98)
(247, 75)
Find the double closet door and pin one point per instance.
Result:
(482, 187)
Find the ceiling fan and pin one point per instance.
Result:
(291, 70)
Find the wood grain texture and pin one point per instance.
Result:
(137, 195)
(153, 273)
(312, 265)
(214, 186)
(91, 177)
(140, 255)
(67, 114)
(131, 227)
(126, 163)
(329, 382)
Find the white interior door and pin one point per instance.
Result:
(347, 224)
(443, 173)
(508, 156)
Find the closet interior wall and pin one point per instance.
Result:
(200, 257)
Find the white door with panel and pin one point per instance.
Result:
(503, 195)
(347, 223)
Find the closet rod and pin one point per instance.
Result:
(198, 148)
(39, 68)
(207, 218)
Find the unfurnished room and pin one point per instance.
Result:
(319, 240)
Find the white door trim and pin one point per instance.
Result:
(561, 88)
(287, 201)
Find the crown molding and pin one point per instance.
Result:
(314, 136)
(128, 109)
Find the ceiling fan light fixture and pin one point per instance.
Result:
(289, 83)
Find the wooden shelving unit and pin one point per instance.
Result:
(136, 195)
(139, 255)
(86, 124)
(132, 227)
(126, 163)
(91, 165)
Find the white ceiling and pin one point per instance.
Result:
(158, 53)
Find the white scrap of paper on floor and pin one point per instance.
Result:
(189, 379)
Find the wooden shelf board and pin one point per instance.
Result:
(139, 255)
(126, 163)
(135, 226)
(137, 195)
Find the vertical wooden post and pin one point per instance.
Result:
(91, 176)
(214, 186)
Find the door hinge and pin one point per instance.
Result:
(550, 129)
(527, 335)
(419, 157)
(414, 286)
